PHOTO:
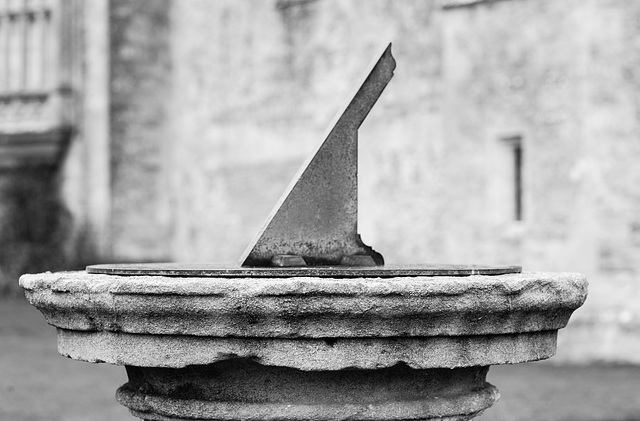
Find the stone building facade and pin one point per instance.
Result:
(37, 71)
(508, 136)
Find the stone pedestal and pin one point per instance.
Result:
(404, 348)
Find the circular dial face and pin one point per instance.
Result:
(230, 271)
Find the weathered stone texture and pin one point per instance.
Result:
(304, 348)
(308, 306)
(308, 323)
(177, 351)
(245, 389)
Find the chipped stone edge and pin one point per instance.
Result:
(308, 354)
(307, 307)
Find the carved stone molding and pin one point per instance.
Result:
(307, 348)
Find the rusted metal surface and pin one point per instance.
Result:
(231, 271)
(317, 217)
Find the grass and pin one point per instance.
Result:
(37, 384)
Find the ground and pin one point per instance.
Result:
(37, 384)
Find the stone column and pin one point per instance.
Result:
(306, 348)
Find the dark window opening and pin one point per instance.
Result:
(516, 158)
(517, 177)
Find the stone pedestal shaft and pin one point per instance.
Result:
(243, 389)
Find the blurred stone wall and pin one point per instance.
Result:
(196, 114)
(254, 99)
(436, 164)
(38, 65)
(140, 97)
(562, 76)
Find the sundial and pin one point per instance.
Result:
(313, 229)
(311, 324)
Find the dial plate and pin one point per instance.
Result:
(230, 271)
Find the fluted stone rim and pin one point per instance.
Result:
(307, 323)
(307, 307)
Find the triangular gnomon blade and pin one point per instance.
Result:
(316, 219)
